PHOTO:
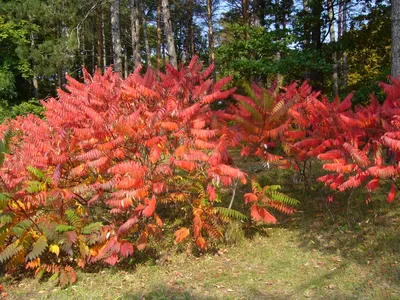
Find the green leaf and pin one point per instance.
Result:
(10, 251)
(54, 277)
(38, 248)
(73, 219)
(21, 227)
(6, 218)
(230, 213)
(283, 198)
(39, 274)
(36, 172)
(35, 187)
(64, 228)
(92, 227)
(4, 197)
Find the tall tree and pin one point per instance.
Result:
(316, 75)
(100, 53)
(190, 48)
(395, 70)
(259, 12)
(135, 30)
(145, 34)
(210, 31)
(342, 27)
(169, 33)
(335, 84)
(116, 35)
(245, 11)
(159, 35)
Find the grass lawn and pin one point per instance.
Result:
(339, 250)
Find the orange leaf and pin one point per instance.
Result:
(142, 241)
(158, 220)
(181, 234)
(392, 193)
(260, 214)
(149, 209)
(250, 197)
(201, 242)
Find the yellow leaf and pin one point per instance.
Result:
(83, 249)
(54, 249)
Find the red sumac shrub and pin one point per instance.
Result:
(92, 181)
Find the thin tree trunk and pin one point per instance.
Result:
(335, 85)
(245, 11)
(395, 38)
(190, 48)
(99, 38)
(344, 57)
(210, 33)
(135, 26)
(34, 79)
(159, 35)
(306, 28)
(316, 76)
(169, 33)
(145, 36)
(104, 42)
(83, 50)
(259, 13)
(116, 35)
(126, 71)
(60, 70)
(93, 58)
(279, 77)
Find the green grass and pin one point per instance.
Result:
(338, 250)
(273, 266)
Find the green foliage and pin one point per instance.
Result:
(92, 227)
(9, 251)
(21, 227)
(4, 146)
(64, 228)
(247, 52)
(229, 213)
(73, 219)
(31, 106)
(38, 248)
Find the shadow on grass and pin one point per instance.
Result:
(347, 226)
(164, 292)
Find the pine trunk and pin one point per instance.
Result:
(279, 77)
(116, 35)
(259, 13)
(306, 28)
(169, 33)
(190, 31)
(126, 68)
(245, 11)
(35, 82)
(135, 28)
(316, 76)
(159, 35)
(145, 36)
(210, 33)
(100, 38)
(104, 42)
(335, 85)
(395, 38)
(341, 30)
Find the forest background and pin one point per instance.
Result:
(340, 46)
